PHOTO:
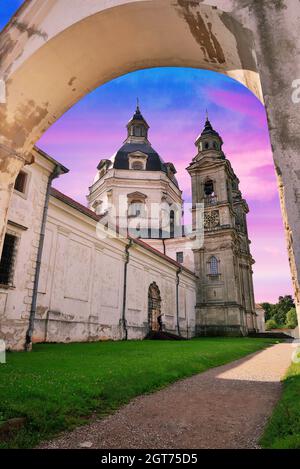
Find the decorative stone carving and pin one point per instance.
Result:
(211, 219)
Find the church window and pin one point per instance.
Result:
(137, 165)
(136, 208)
(8, 259)
(172, 224)
(209, 187)
(179, 257)
(206, 146)
(20, 183)
(213, 266)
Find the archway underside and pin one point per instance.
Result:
(50, 75)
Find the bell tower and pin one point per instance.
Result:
(225, 298)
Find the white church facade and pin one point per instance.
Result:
(68, 273)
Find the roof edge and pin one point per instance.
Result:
(52, 160)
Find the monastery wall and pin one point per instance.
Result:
(81, 285)
(24, 223)
(81, 289)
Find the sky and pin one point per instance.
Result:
(174, 101)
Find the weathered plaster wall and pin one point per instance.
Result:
(170, 247)
(81, 285)
(24, 221)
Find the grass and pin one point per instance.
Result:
(283, 429)
(58, 386)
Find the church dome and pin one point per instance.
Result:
(154, 161)
(137, 142)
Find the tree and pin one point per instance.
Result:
(268, 308)
(291, 319)
(281, 309)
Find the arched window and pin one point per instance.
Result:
(208, 188)
(137, 165)
(172, 224)
(213, 266)
(206, 145)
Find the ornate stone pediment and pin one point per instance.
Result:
(136, 195)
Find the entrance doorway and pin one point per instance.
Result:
(154, 307)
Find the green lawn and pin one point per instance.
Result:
(283, 429)
(57, 386)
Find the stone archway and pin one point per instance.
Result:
(154, 307)
(55, 52)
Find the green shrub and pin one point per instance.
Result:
(271, 324)
(291, 319)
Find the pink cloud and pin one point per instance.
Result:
(242, 103)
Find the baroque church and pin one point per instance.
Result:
(126, 265)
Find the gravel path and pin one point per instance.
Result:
(224, 407)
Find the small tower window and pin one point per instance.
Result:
(209, 187)
(137, 165)
(213, 266)
(172, 224)
(206, 146)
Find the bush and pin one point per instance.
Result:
(271, 324)
(291, 319)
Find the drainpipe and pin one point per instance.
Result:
(164, 245)
(28, 342)
(123, 320)
(177, 299)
